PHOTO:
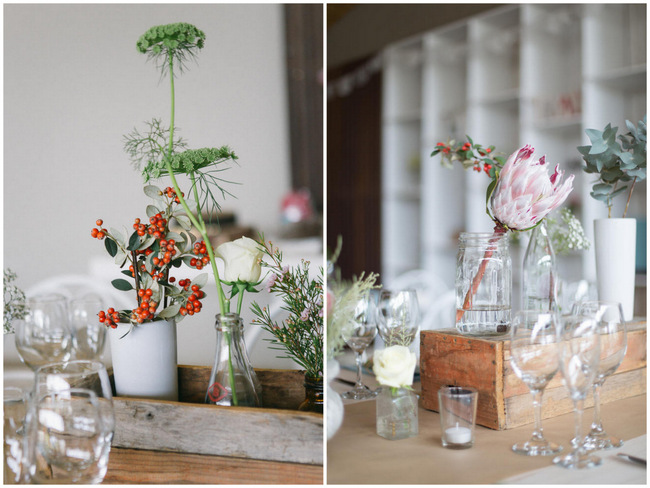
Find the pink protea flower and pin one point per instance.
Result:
(525, 193)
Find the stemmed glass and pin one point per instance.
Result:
(44, 336)
(613, 344)
(359, 334)
(68, 437)
(89, 333)
(535, 358)
(579, 355)
(398, 317)
(15, 408)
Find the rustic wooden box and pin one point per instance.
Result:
(277, 432)
(504, 401)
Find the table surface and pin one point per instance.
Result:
(357, 455)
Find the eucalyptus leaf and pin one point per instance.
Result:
(152, 210)
(134, 242)
(184, 221)
(119, 237)
(169, 312)
(122, 284)
(120, 258)
(200, 280)
(154, 192)
(111, 247)
(148, 241)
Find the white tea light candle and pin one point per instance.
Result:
(458, 435)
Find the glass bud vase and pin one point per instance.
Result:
(539, 279)
(314, 396)
(233, 381)
(483, 284)
(397, 413)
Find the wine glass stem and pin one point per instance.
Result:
(578, 406)
(359, 368)
(596, 426)
(538, 433)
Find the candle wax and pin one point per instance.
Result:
(458, 435)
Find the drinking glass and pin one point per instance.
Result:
(535, 358)
(359, 334)
(80, 373)
(398, 317)
(89, 334)
(613, 344)
(579, 355)
(44, 336)
(15, 408)
(68, 439)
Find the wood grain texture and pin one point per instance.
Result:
(450, 358)
(132, 466)
(272, 434)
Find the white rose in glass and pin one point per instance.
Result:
(242, 260)
(394, 366)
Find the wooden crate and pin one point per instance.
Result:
(277, 432)
(504, 401)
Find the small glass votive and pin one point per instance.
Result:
(457, 407)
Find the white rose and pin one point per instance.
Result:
(394, 366)
(242, 260)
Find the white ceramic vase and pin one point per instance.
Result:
(615, 246)
(334, 402)
(145, 360)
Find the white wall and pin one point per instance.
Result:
(74, 84)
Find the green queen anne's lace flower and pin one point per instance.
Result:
(171, 37)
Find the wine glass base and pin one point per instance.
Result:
(576, 460)
(597, 442)
(359, 393)
(537, 448)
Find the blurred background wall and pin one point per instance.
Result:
(74, 84)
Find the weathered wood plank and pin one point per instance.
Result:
(133, 466)
(278, 433)
(252, 433)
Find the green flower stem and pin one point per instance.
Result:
(199, 224)
(231, 374)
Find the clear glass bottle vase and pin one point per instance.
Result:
(233, 381)
(539, 277)
(397, 413)
(483, 284)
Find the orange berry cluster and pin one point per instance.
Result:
(111, 317)
(171, 193)
(192, 305)
(202, 255)
(98, 233)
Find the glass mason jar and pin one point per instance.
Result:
(233, 381)
(397, 413)
(540, 278)
(314, 396)
(483, 284)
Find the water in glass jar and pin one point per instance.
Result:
(485, 320)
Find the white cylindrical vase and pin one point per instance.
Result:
(615, 246)
(145, 360)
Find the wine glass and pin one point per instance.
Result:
(535, 358)
(359, 333)
(44, 336)
(613, 344)
(398, 317)
(68, 438)
(579, 356)
(89, 334)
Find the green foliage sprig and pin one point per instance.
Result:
(178, 41)
(618, 166)
(301, 335)
(342, 299)
(15, 301)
